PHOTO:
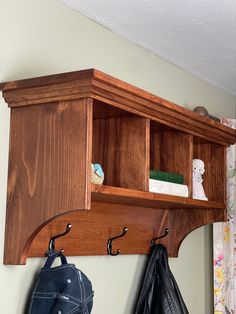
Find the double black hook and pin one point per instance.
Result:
(160, 237)
(125, 229)
(109, 243)
(51, 244)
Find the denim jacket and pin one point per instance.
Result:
(61, 290)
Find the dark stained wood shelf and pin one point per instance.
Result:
(62, 123)
(110, 194)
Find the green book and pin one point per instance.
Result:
(166, 176)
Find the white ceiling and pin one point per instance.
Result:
(198, 36)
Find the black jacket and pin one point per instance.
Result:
(159, 292)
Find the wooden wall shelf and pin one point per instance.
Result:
(62, 123)
(102, 193)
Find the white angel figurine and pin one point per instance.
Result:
(198, 170)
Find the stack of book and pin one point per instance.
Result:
(167, 183)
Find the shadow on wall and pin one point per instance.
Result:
(137, 282)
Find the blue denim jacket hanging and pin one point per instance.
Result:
(61, 290)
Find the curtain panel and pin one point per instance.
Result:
(224, 243)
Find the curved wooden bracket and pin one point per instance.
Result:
(184, 221)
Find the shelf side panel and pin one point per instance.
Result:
(49, 169)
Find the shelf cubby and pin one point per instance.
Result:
(171, 151)
(121, 146)
(214, 158)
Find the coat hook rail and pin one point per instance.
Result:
(109, 243)
(160, 237)
(51, 245)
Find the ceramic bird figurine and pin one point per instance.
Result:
(203, 112)
(97, 174)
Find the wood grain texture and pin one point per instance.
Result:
(98, 85)
(121, 146)
(91, 229)
(185, 221)
(50, 151)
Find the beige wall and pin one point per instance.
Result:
(40, 37)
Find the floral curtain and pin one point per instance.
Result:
(224, 243)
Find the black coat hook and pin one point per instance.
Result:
(109, 243)
(160, 237)
(51, 245)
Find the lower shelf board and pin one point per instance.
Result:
(111, 194)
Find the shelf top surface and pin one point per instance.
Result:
(148, 199)
(97, 85)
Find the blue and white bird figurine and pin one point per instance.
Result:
(97, 174)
